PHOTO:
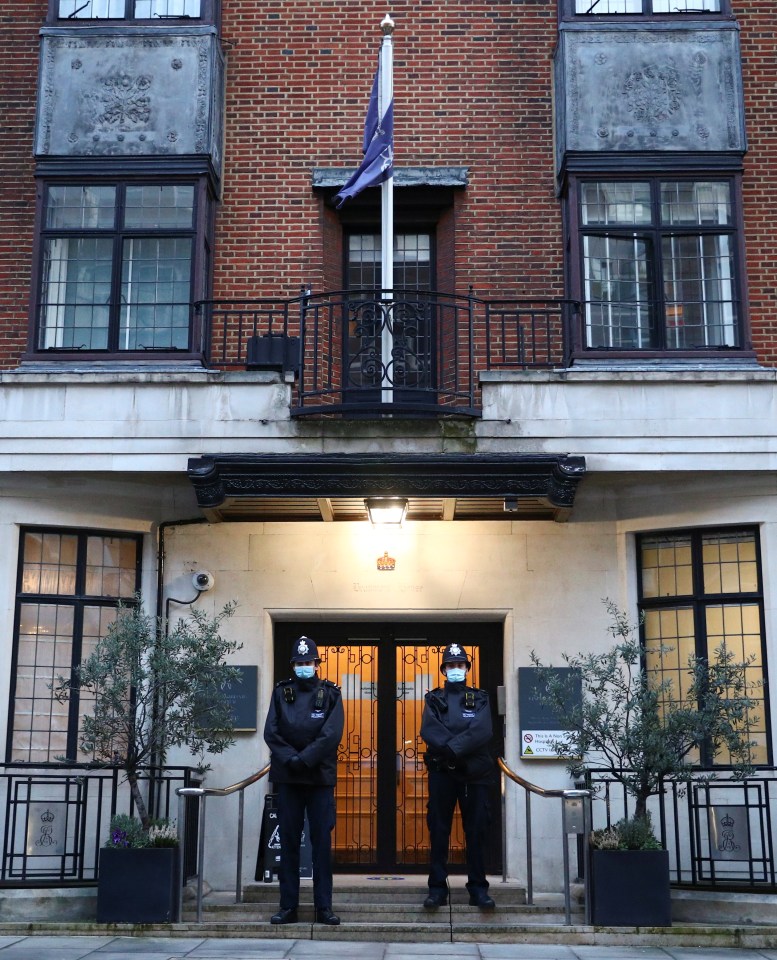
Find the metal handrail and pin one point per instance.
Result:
(563, 795)
(202, 794)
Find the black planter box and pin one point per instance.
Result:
(273, 351)
(138, 886)
(630, 888)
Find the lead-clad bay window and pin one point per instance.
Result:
(68, 586)
(700, 591)
(117, 267)
(659, 268)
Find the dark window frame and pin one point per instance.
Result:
(209, 13)
(567, 12)
(77, 601)
(699, 601)
(575, 270)
(200, 232)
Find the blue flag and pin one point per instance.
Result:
(377, 147)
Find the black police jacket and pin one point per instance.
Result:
(305, 720)
(456, 727)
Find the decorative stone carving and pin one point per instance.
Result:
(143, 93)
(626, 88)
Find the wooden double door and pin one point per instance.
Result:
(384, 670)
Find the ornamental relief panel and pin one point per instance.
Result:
(130, 95)
(640, 90)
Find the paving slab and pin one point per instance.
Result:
(525, 951)
(238, 946)
(712, 953)
(337, 948)
(144, 946)
(620, 952)
(397, 950)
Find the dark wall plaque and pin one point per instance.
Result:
(538, 721)
(243, 698)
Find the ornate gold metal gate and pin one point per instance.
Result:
(383, 672)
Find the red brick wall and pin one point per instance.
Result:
(472, 88)
(759, 69)
(18, 84)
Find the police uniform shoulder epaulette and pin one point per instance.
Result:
(285, 683)
(328, 683)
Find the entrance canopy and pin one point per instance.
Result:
(329, 487)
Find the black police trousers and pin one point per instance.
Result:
(474, 802)
(293, 800)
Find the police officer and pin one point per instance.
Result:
(456, 727)
(303, 729)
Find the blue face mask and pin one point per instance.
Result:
(456, 674)
(305, 672)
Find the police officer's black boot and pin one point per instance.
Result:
(288, 915)
(325, 915)
(436, 898)
(480, 898)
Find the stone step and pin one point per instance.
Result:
(409, 892)
(388, 932)
(384, 913)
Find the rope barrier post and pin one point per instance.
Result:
(239, 875)
(200, 856)
(502, 786)
(181, 851)
(529, 876)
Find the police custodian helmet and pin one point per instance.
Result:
(304, 650)
(453, 653)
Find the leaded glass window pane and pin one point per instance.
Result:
(699, 291)
(617, 292)
(92, 9)
(619, 203)
(616, 7)
(156, 280)
(80, 207)
(58, 628)
(713, 571)
(148, 9)
(699, 203)
(76, 293)
(159, 207)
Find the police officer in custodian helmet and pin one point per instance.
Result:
(303, 730)
(456, 727)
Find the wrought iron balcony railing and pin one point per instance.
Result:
(409, 352)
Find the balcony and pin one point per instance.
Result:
(408, 353)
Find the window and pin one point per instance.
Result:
(640, 7)
(68, 586)
(659, 265)
(117, 267)
(127, 9)
(699, 591)
(397, 348)
(412, 261)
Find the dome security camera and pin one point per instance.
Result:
(202, 580)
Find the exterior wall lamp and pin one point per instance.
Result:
(386, 509)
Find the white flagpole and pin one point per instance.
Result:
(385, 96)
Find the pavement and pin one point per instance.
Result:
(203, 948)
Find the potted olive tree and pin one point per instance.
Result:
(152, 688)
(643, 733)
